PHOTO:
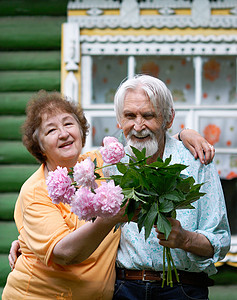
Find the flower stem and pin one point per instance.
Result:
(174, 268)
(104, 166)
(163, 281)
(169, 268)
(103, 178)
(170, 265)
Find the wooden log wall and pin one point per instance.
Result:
(30, 42)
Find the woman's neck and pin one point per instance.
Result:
(51, 167)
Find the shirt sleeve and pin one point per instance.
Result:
(212, 217)
(44, 224)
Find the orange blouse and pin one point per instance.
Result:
(41, 224)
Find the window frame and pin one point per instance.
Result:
(192, 112)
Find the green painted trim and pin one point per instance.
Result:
(8, 233)
(28, 7)
(14, 103)
(13, 176)
(12, 152)
(11, 126)
(7, 205)
(30, 60)
(31, 33)
(29, 81)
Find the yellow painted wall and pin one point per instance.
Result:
(157, 31)
(142, 31)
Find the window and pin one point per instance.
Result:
(203, 88)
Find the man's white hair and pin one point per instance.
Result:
(158, 93)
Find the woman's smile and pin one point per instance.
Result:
(66, 145)
(61, 140)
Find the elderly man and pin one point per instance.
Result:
(199, 237)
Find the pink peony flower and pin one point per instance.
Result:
(108, 140)
(83, 173)
(108, 199)
(113, 151)
(59, 186)
(83, 204)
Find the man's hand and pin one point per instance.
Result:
(188, 241)
(15, 252)
(178, 237)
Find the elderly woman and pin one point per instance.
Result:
(55, 245)
(62, 257)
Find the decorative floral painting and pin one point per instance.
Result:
(226, 165)
(176, 72)
(101, 127)
(219, 81)
(222, 133)
(107, 73)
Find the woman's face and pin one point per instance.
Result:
(60, 137)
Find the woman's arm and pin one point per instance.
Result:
(77, 245)
(197, 145)
(81, 243)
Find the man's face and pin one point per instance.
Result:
(140, 123)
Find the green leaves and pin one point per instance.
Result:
(121, 167)
(185, 184)
(133, 194)
(158, 189)
(140, 155)
(166, 206)
(131, 208)
(163, 225)
(150, 218)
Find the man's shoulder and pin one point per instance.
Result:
(180, 154)
(176, 148)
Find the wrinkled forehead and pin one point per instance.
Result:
(49, 118)
(48, 114)
(139, 99)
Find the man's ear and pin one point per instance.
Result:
(169, 124)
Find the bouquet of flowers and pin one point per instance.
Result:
(157, 190)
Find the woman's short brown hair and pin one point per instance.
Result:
(51, 103)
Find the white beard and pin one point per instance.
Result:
(151, 145)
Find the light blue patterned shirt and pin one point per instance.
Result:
(209, 218)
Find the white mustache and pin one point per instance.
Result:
(141, 134)
(151, 145)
